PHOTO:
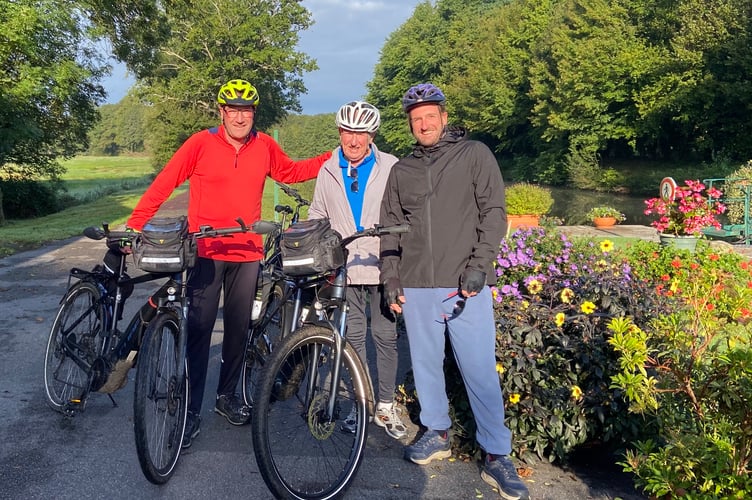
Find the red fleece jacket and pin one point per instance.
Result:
(224, 184)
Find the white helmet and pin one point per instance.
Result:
(358, 116)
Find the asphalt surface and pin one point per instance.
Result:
(93, 455)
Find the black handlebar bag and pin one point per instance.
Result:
(165, 246)
(311, 247)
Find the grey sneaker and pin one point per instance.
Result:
(388, 418)
(432, 445)
(230, 407)
(499, 472)
(192, 429)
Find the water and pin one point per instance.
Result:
(572, 205)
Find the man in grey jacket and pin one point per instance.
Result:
(348, 191)
(451, 193)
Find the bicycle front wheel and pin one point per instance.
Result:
(303, 450)
(160, 403)
(263, 337)
(76, 341)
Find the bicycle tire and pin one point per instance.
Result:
(160, 402)
(301, 453)
(81, 321)
(262, 338)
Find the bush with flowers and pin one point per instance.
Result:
(690, 372)
(553, 302)
(692, 209)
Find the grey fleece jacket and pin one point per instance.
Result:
(330, 200)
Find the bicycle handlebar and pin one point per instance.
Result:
(376, 230)
(292, 193)
(258, 227)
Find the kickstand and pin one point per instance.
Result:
(114, 403)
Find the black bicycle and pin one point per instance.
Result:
(86, 350)
(84, 331)
(311, 382)
(272, 309)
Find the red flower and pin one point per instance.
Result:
(676, 263)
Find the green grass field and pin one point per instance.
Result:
(108, 189)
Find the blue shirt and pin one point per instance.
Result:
(363, 172)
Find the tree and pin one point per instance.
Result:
(121, 129)
(192, 47)
(49, 74)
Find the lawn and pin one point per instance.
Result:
(107, 190)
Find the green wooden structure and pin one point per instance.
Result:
(741, 231)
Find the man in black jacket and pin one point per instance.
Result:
(451, 193)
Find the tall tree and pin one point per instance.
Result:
(200, 44)
(49, 74)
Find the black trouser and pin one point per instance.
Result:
(206, 282)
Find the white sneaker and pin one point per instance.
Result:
(387, 416)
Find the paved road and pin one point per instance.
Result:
(93, 456)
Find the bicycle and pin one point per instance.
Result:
(311, 382)
(160, 402)
(271, 313)
(86, 352)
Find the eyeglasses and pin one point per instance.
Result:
(353, 174)
(459, 306)
(233, 112)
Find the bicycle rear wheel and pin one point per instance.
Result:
(301, 450)
(160, 403)
(263, 336)
(77, 339)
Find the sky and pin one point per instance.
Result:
(346, 40)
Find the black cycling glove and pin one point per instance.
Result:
(472, 280)
(392, 291)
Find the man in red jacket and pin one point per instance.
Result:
(226, 167)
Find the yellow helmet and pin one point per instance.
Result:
(238, 93)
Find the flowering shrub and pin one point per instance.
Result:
(691, 210)
(553, 302)
(690, 371)
(605, 211)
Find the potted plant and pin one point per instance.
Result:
(683, 214)
(526, 203)
(605, 216)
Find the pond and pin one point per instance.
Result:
(572, 205)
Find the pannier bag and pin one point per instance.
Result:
(311, 247)
(165, 246)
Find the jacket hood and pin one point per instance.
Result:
(452, 134)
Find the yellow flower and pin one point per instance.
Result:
(499, 368)
(674, 286)
(567, 295)
(559, 320)
(576, 392)
(607, 245)
(524, 305)
(495, 293)
(587, 307)
(514, 398)
(534, 286)
(601, 265)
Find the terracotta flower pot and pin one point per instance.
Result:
(601, 222)
(517, 221)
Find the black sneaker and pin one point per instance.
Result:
(230, 407)
(499, 472)
(192, 429)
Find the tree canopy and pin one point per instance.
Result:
(550, 84)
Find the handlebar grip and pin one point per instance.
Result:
(404, 228)
(264, 227)
(93, 233)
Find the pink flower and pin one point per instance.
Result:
(692, 209)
